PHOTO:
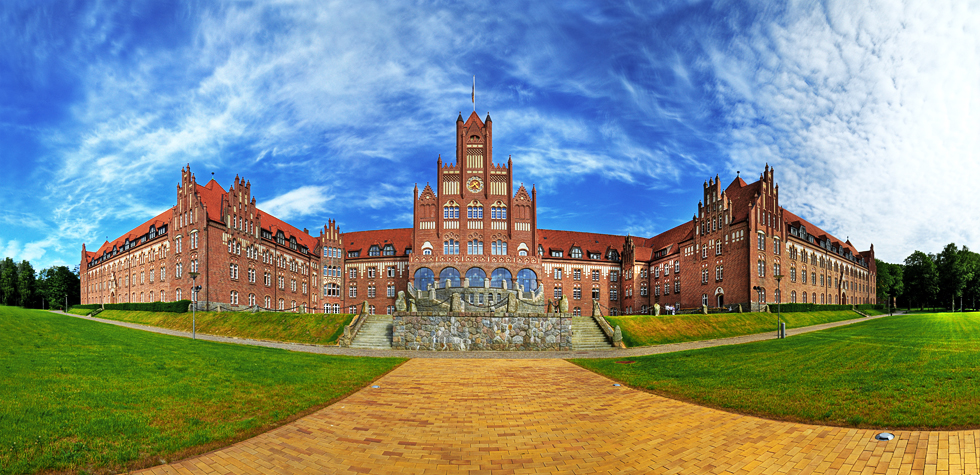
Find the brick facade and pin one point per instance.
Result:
(473, 223)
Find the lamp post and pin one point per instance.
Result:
(194, 307)
(779, 301)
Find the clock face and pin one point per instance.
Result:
(474, 184)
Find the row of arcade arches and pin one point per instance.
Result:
(527, 280)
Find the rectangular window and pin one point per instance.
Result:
(352, 292)
(351, 273)
(595, 275)
(577, 274)
(391, 271)
(558, 273)
(371, 272)
(391, 291)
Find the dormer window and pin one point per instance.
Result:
(389, 250)
(356, 253)
(540, 250)
(595, 256)
(374, 251)
(557, 253)
(576, 253)
(612, 255)
(280, 238)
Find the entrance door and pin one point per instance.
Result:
(721, 300)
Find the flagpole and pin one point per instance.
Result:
(473, 97)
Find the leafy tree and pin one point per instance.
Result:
(889, 282)
(953, 273)
(26, 284)
(971, 292)
(57, 282)
(921, 279)
(8, 282)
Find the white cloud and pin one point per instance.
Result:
(303, 201)
(868, 112)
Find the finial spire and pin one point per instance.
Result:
(473, 96)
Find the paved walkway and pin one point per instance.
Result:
(611, 353)
(549, 416)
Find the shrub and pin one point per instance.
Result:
(179, 306)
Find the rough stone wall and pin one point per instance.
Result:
(465, 331)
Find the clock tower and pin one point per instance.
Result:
(472, 218)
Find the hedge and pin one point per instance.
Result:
(808, 307)
(179, 306)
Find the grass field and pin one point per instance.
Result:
(323, 329)
(80, 311)
(82, 396)
(904, 371)
(645, 330)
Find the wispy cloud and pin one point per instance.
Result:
(302, 201)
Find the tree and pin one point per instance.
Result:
(920, 279)
(8, 282)
(971, 291)
(27, 284)
(57, 282)
(953, 275)
(889, 281)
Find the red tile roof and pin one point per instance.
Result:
(741, 195)
(792, 219)
(211, 195)
(672, 237)
(158, 220)
(275, 225)
(588, 242)
(363, 240)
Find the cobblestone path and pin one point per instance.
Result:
(506, 416)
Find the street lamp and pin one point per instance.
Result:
(194, 289)
(779, 301)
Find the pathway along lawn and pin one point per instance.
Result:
(905, 371)
(646, 330)
(317, 328)
(78, 395)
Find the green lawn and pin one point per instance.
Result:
(80, 311)
(82, 396)
(323, 329)
(905, 371)
(645, 330)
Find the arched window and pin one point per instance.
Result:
(792, 297)
(424, 277)
(500, 278)
(475, 277)
(451, 274)
(804, 297)
(704, 299)
(527, 280)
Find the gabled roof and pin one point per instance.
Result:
(588, 242)
(795, 221)
(161, 219)
(211, 197)
(741, 195)
(362, 240)
(671, 237)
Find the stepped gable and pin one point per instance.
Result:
(161, 219)
(589, 242)
(363, 240)
(741, 194)
(275, 225)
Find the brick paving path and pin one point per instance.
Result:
(549, 416)
(611, 353)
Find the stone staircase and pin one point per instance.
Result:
(586, 335)
(375, 333)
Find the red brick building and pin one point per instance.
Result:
(475, 230)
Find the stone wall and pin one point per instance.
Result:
(470, 331)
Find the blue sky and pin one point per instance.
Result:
(618, 112)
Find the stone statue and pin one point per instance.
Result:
(400, 304)
(596, 311)
(656, 310)
(618, 337)
(511, 303)
(563, 304)
(739, 308)
(456, 304)
(411, 306)
(704, 309)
